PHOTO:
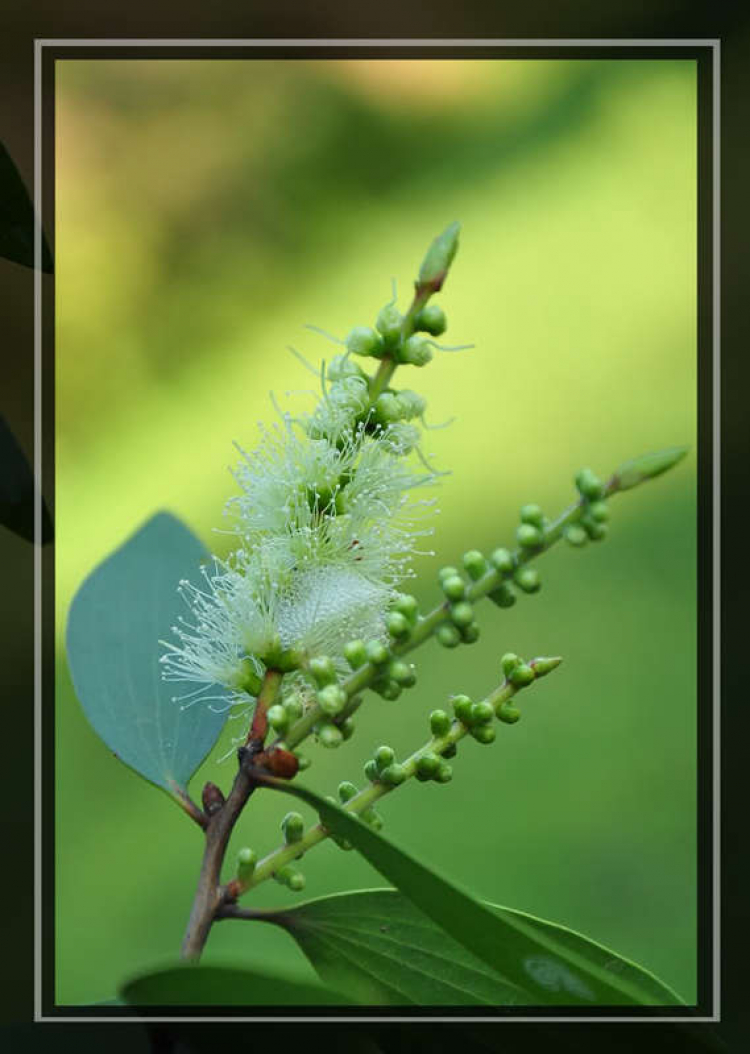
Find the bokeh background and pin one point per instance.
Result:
(205, 212)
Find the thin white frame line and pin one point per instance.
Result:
(39, 45)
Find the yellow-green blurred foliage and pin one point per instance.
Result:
(205, 212)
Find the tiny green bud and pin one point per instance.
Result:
(322, 670)
(402, 673)
(407, 606)
(462, 613)
(575, 535)
(294, 707)
(427, 765)
(503, 596)
(462, 708)
(416, 351)
(355, 653)
(389, 322)
(527, 578)
(303, 762)
(371, 771)
(454, 587)
(398, 625)
(373, 819)
(599, 511)
(387, 688)
(508, 713)
(329, 735)
(278, 718)
(377, 653)
(521, 675)
(640, 469)
(346, 790)
(293, 827)
(393, 775)
(384, 756)
(474, 563)
(532, 514)
(440, 723)
(363, 340)
(291, 878)
(484, 734)
(470, 633)
(439, 257)
(444, 773)
(528, 536)
(501, 560)
(596, 531)
(447, 572)
(449, 751)
(411, 404)
(482, 713)
(509, 662)
(448, 636)
(432, 320)
(332, 699)
(246, 861)
(387, 408)
(347, 727)
(589, 485)
(545, 664)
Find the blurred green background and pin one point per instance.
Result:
(205, 212)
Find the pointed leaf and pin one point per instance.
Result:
(17, 221)
(119, 614)
(190, 985)
(555, 966)
(376, 946)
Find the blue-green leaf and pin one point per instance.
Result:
(191, 985)
(553, 965)
(119, 614)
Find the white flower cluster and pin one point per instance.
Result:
(326, 528)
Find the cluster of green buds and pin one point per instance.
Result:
(592, 523)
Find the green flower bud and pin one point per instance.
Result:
(449, 751)
(484, 734)
(575, 535)
(427, 766)
(545, 664)
(387, 689)
(461, 614)
(387, 409)
(322, 670)
(373, 819)
(596, 531)
(347, 790)
(589, 485)
(440, 723)
(448, 572)
(342, 367)
(393, 775)
(278, 718)
(415, 351)
(475, 564)
(329, 735)
(508, 713)
(527, 578)
(363, 340)
(371, 771)
(411, 404)
(503, 596)
(407, 606)
(432, 320)
(389, 322)
(444, 774)
(529, 537)
(294, 707)
(397, 625)
(347, 727)
(454, 587)
(384, 756)
(293, 827)
(448, 636)
(509, 662)
(648, 466)
(246, 861)
(355, 653)
(291, 878)
(599, 511)
(482, 713)
(502, 560)
(303, 762)
(332, 699)
(532, 514)
(439, 258)
(521, 675)
(462, 708)
(402, 673)
(470, 633)
(376, 652)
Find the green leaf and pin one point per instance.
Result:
(17, 221)
(190, 985)
(119, 614)
(380, 949)
(555, 966)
